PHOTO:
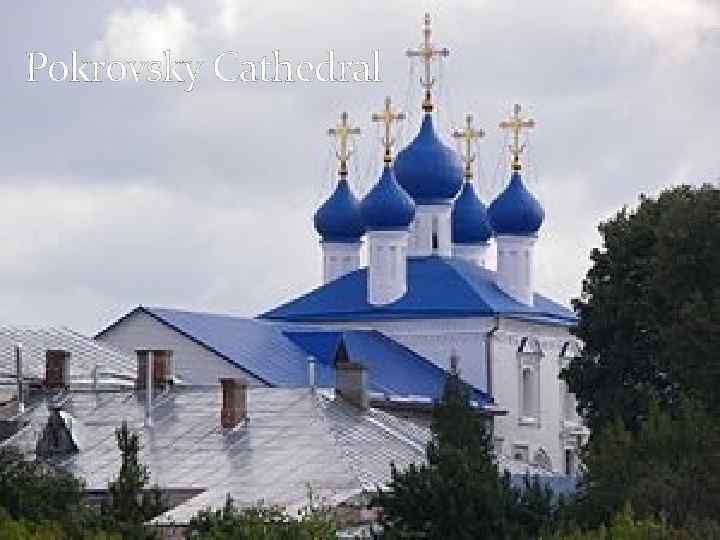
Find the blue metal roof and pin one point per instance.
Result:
(515, 211)
(278, 356)
(437, 288)
(470, 223)
(428, 169)
(387, 206)
(392, 368)
(339, 219)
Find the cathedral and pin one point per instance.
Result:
(406, 294)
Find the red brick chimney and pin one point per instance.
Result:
(234, 402)
(57, 369)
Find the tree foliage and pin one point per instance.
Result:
(131, 503)
(261, 522)
(459, 493)
(650, 310)
(669, 468)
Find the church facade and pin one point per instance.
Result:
(406, 289)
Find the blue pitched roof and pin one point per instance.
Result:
(437, 287)
(278, 356)
(392, 368)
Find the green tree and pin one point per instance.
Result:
(261, 522)
(131, 504)
(669, 467)
(459, 493)
(649, 312)
(35, 491)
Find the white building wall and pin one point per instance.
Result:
(387, 266)
(193, 363)
(340, 259)
(474, 253)
(516, 267)
(431, 220)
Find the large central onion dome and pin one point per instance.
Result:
(470, 222)
(339, 218)
(515, 211)
(387, 206)
(428, 169)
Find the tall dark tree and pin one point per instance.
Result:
(650, 310)
(131, 502)
(459, 492)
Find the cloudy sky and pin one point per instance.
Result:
(116, 194)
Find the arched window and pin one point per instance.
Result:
(529, 356)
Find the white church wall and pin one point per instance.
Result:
(193, 363)
(518, 431)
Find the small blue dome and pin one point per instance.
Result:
(387, 206)
(470, 222)
(428, 169)
(339, 218)
(516, 211)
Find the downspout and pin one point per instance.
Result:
(489, 355)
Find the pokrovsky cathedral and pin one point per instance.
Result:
(425, 299)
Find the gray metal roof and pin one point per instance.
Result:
(295, 440)
(85, 352)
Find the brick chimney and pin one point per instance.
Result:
(161, 368)
(234, 402)
(57, 369)
(350, 379)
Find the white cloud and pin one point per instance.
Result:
(140, 33)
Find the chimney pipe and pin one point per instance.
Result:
(311, 372)
(19, 373)
(145, 361)
(234, 402)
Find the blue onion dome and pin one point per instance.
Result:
(470, 222)
(516, 211)
(428, 169)
(387, 206)
(339, 218)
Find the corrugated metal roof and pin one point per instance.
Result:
(295, 439)
(437, 288)
(392, 368)
(86, 353)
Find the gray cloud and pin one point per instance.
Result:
(116, 194)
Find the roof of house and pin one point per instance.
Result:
(86, 353)
(393, 370)
(438, 287)
(278, 355)
(294, 439)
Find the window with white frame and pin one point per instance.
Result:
(529, 354)
(568, 404)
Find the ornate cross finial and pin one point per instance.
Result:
(342, 133)
(387, 117)
(516, 125)
(468, 136)
(427, 52)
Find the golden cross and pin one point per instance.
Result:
(427, 52)
(468, 136)
(516, 125)
(387, 117)
(343, 133)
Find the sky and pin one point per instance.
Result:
(119, 194)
